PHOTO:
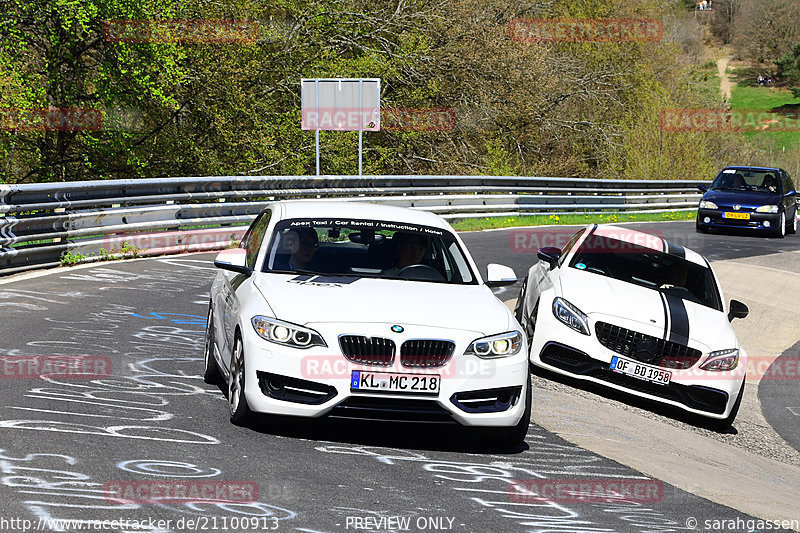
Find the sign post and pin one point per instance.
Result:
(341, 104)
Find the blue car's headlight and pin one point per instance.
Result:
(767, 209)
(496, 345)
(705, 204)
(286, 333)
(571, 315)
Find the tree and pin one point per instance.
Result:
(789, 69)
(764, 30)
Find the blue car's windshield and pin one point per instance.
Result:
(732, 179)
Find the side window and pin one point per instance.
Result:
(567, 247)
(788, 185)
(255, 234)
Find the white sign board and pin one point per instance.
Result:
(341, 104)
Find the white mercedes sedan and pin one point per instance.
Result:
(346, 309)
(633, 312)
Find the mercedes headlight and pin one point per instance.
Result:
(286, 333)
(705, 204)
(496, 345)
(571, 316)
(721, 360)
(767, 209)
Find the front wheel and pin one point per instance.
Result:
(516, 435)
(780, 230)
(700, 229)
(210, 370)
(237, 402)
(723, 425)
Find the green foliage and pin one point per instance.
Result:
(204, 108)
(789, 69)
(72, 258)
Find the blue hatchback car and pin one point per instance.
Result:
(757, 198)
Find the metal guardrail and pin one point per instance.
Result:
(39, 223)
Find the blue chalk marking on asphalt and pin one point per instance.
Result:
(195, 320)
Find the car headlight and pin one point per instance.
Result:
(286, 333)
(767, 209)
(721, 360)
(496, 345)
(571, 315)
(705, 204)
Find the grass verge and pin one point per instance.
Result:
(477, 224)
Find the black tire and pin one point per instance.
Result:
(211, 374)
(530, 326)
(722, 426)
(780, 228)
(237, 402)
(792, 228)
(516, 435)
(700, 229)
(520, 302)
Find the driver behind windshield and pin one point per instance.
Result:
(770, 183)
(409, 248)
(301, 243)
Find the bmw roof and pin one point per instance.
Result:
(357, 210)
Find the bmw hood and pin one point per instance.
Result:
(604, 299)
(304, 299)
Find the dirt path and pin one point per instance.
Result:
(725, 83)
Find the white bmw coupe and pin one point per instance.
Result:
(365, 311)
(633, 312)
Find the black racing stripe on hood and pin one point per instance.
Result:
(666, 314)
(679, 320)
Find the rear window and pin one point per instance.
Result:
(648, 268)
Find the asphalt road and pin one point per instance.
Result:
(780, 396)
(68, 444)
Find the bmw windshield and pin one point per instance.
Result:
(642, 266)
(367, 248)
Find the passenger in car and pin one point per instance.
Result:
(410, 249)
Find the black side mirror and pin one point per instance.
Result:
(549, 255)
(702, 188)
(738, 310)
